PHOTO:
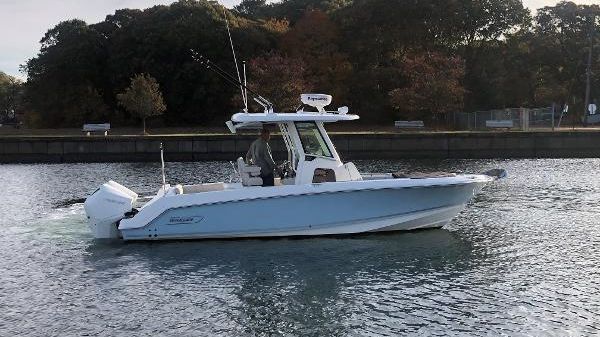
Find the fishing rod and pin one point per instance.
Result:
(213, 66)
(237, 68)
(266, 104)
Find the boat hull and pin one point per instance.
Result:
(331, 213)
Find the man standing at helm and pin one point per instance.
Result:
(260, 154)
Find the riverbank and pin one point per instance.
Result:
(356, 145)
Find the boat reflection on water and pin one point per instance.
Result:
(261, 287)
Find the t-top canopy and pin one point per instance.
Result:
(244, 120)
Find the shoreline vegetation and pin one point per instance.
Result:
(386, 60)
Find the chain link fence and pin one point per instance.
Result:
(512, 118)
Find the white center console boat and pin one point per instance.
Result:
(317, 195)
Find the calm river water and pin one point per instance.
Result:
(521, 260)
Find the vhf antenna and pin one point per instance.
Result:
(237, 68)
(268, 106)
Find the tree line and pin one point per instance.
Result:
(385, 59)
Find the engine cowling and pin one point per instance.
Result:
(106, 206)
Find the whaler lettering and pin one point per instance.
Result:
(184, 220)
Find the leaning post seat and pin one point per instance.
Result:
(249, 174)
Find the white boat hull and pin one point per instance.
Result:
(305, 214)
(319, 195)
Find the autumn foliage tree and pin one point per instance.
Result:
(280, 79)
(143, 98)
(315, 39)
(357, 50)
(432, 85)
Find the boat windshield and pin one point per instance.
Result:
(312, 140)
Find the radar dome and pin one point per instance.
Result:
(319, 101)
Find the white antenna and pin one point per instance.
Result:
(237, 68)
(245, 87)
(162, 163)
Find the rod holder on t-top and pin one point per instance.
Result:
(162, 169)
(268, 106)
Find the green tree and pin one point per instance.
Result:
(72, 58)
(559, 44)
(484, 20)
(358, 50)
(251, 8)
(104, 56)
(11, 92)
(158, 41)
(293, 10)
(143, 98)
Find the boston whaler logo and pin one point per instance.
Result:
(181, 220)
